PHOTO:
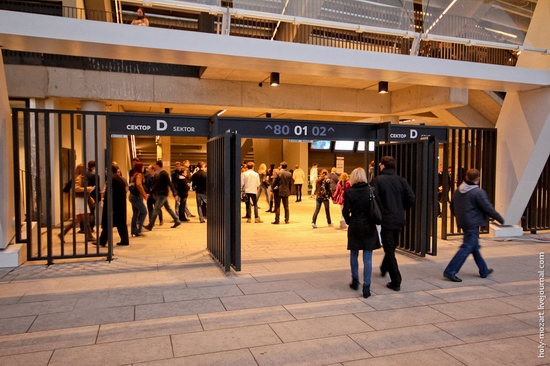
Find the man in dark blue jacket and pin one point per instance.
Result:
(395, 196)
(470, 206)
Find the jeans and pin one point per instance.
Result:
(469, 245)
(318, 203)
(263, 188)
(251, 197)
(161, 201)
(138, 215)
(201, 200)
(367, 265)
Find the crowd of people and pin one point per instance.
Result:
(149, 193)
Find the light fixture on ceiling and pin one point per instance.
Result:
(382, 87)
(274, 80)
(220, 112)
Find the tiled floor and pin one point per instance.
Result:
(164, 301)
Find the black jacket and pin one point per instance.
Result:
(199, 181)
(394, 196)
(180, 181)
(362, 233)
(162, 185)
(471, 205)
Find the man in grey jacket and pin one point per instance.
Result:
(470, 206)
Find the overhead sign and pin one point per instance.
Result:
(410, 133)
(298, 130)
(165, 125)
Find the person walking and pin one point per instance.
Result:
(471, 207)
(137, 195)
(298, 176)
(198, 180)
(313, 175)
(181, 182)
(160, 190)
(119, 210)
(362, 233)
(323, 196)
(149, 179)
(395, 196)
(264, 182)
(283, 185)
(250, 181)
(80, 201)
(338, 196)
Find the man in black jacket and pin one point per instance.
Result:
(198, 180)
(181, 182)
(119, 210)
(160, 190)
(395, 196)
(470, 206)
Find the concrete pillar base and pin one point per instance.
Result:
(13, 256)
(501, 231)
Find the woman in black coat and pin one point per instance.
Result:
(362, 233)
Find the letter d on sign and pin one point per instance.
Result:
(414, 134)
(161, 125)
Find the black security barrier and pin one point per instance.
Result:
(467, 148)
(47, 142)
(417, 163)
(224, 224)
(44, 186)
(537, 213)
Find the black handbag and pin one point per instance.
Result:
(244, 196)
(375, 212)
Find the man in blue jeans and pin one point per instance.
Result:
(160, 189)
(470, 206)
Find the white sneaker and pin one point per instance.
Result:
(343, 224)
(329, 224)
(313, 225)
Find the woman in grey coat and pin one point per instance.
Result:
(362, 233)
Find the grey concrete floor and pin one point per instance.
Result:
(165, 301)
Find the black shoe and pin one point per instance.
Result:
(161, 222)
(269, 211)
(81, 231)
(452, 278)
(148, 227)
(185, 220)
(275, 222)
(393, 287)
(354, 285)
(488, 273)
(366, 291)
(245, 217)
(286, 222)
(138, 234)
(383, 273)
(120, 244)
(176, 224)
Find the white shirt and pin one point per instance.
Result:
(313, 175)
(250, 181)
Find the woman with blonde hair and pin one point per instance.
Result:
(338, 198)
(264, 182)
(80, 204)
(362, 233)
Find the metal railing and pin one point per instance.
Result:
(338, 23)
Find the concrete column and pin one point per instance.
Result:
(296, 153)
(89, 133)
(164, 152)
(12, 255)
(523, 121)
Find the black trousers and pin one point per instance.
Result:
(278, 200)
(298, 192)
(390, 239)
(181, 208)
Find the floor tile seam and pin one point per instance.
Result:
(475, 287)
(494, 337)
(520, 311)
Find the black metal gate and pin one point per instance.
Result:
(224, 224)
(42, 206)
(537, 213)
(417, 163)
